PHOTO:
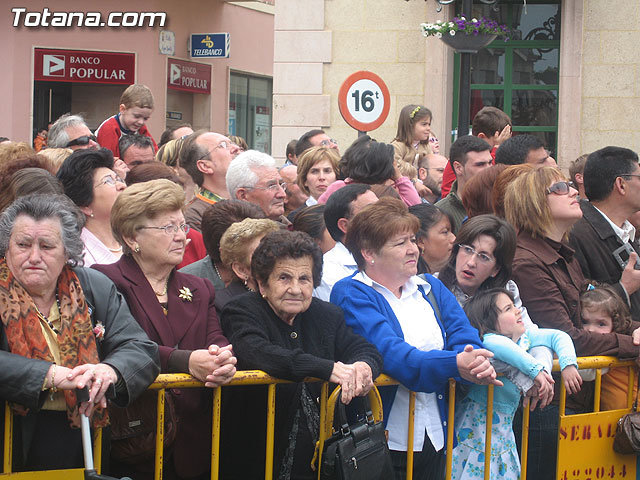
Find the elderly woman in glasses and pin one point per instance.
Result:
(550, 279)
(89, 180)
(175, 309)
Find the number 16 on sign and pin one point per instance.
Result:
(364, 101)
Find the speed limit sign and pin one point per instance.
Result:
(364, 101)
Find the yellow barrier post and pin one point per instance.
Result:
(598, 388)
(97, 451)
(215, 434)
(487, 440)
(450, 425)
(8, 438)
(271, 419)
(524, 454)
(159, 462)
(410, 429)
(322, 436)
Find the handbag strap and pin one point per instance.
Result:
(341, 413)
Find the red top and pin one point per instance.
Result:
(194, 250)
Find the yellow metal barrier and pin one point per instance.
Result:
(256, 377)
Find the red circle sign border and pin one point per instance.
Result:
(342, 101)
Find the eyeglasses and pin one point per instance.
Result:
(271, 188)
(470, 251)
(328, 143)
(223, 144)
(109, 180)
(170, 229)
(629, 175)
(560, 188)
(82, 141)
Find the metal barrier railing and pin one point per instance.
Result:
(256, 377)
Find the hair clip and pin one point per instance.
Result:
(413, 113)
(590, 287)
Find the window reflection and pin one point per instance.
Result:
(534, 107)
(487, 66)
(535, 67)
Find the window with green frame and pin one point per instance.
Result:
(520, 76)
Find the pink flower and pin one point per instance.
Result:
(98, 331)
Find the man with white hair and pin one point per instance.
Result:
(253, 176)
(70, 131)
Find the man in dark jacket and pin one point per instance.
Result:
(612, 184)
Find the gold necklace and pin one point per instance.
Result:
(164, 292)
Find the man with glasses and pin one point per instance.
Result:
(431, 168)
(253, 177)
(604, 238)
(314, 138)
(206, 157)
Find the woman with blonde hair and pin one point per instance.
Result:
(169, 154)
(175, 309)
(236, 249)
(550, 279)
(56, 156)
(317, 169)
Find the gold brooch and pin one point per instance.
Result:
(185, 294)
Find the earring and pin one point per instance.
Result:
(91, 215)
(372, 262)
(246, 281)
(137, 249)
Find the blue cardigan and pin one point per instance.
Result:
(370, 315)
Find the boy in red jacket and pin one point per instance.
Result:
(136, 106)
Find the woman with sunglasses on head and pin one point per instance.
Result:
(89, 180)
(176, 310)
(550, 279)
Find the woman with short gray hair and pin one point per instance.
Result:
(62, 327)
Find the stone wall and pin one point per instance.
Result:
(319, 43)
(611, 75)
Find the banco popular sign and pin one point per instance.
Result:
(188, 76)
(84, 66)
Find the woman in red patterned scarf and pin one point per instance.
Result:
(62, 327)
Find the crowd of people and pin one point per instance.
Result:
(122, 259)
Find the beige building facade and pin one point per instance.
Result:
(319, 43)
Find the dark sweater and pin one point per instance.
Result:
(308, 348)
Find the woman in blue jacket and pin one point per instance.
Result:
(423, 344)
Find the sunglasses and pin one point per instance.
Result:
(560, 188)
(82, 141)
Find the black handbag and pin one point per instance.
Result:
(358, 451)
